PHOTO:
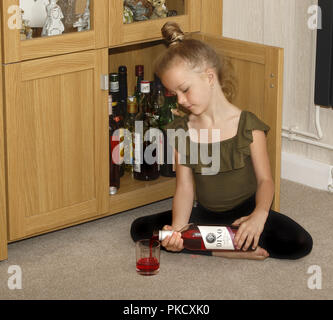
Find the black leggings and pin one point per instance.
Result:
(282, 237)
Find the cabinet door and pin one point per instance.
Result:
(188, 16)
(258, 71)
(69, 41)
(57, 141)
(3, 213)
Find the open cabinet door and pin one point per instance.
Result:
(3, 215)
(259, 73)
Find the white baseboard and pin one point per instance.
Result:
(305, 171)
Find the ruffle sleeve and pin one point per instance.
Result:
(234, 151)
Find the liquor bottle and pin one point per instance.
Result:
(139, 74)
(132, 109)
(113, 156)
(114, 87)
(158, 98)
(120, 125)
(122, 71)
(165, 117)
(204, 237)
(141, 169)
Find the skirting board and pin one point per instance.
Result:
(305, 171)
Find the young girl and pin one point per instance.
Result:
(241, 193)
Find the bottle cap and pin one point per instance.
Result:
(167, 93)
(145, 86)
(113, 190)
(132, 105)
(114, 77)
(139, 70)
(162, 234)
(122, 69)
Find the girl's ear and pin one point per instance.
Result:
(211, 76)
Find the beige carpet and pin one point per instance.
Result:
(96, 260)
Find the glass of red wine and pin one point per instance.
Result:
(148, 257)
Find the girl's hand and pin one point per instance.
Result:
(250, 229)
(174, 242)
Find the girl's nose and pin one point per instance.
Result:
(181, 98)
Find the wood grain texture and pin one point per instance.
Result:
(57, 152)
(211, 17)
(3, 205)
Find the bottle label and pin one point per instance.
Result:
(121, 145)
(114, 86)
(145, 87)
(217, 237)
(137, 152)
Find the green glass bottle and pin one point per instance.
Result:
(132, 109)
(166, 116)
(141, 169)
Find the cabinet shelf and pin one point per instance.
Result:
(134, 193)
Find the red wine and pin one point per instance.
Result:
(147, 265)
(205, 237)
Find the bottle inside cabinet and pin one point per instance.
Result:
(138, 61)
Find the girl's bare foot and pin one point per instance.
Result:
(257, 254)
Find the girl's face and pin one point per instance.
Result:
(193, 88)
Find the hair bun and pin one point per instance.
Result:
(172, 33)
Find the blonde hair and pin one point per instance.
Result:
(196, 54)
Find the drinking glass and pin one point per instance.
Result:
(148, 257)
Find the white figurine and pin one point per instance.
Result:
(53, 24)
(83, 23)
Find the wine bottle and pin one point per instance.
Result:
(132, 110)
(114, 87)
(122, 71)
(139, 74)
(166, 116)
(141, 169)
(117, 117)
(114, 157)
(204, 237)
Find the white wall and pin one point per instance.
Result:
(284, 23)
(34, 11)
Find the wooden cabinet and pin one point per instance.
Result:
(57, 143)
(3, 211)
(188, 17)
(16, 49)
(55, 153)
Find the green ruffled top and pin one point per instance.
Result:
(233, 180)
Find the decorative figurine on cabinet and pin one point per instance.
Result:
(83, 24)
(160, 9)
(53, 24)
(142, 9)
(127, 15)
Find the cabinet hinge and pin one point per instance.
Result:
(105, 82)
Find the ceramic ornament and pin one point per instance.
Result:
(53, 24)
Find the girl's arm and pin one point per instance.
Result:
(184, 195)
(251, 227)
(181, 206)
